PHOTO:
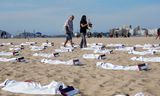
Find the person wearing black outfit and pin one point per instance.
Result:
(158, 33)
(83, 31)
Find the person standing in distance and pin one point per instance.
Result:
(158, 33)
(69, 30)
(83, 31)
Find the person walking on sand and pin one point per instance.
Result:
(83, 31)
(158, 33)
(69, 30)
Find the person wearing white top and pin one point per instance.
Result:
(69, 30)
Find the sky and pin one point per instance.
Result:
(48, 16)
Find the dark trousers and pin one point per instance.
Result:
(83, 40)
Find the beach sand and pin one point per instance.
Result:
(89, 79)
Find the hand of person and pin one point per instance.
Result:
(84, 25)
(87, 24)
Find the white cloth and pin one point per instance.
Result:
(15, 49)
(105, 51)
(6, 44)
(137, 94)
(148, 46)
(37, 48)
(43, 55)
(154, 50)
(28, 43)
(24, 44)
(125, 49)
(151, 46)
(116, 45)
(144, 46)
(64, 49)
(6, 53)
(92, 56)
(8, 59)
(140, 94)
(57, 62)
(88, 48)
(138, 45)
(116, 67)
(18, 59)
(149, 59)
(47, 44)
(97, 47)
(141, 53)
(31, 87)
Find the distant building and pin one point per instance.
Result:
(26, 35)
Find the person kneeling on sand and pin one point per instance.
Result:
(69, 30)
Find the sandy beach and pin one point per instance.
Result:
(89, 79)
